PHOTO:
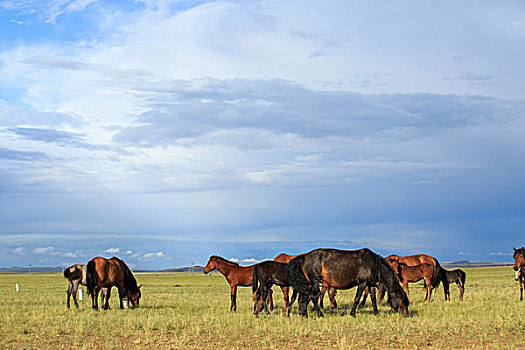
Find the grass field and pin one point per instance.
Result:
(192, 312)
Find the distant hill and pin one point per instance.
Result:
(34, 269)
(184, 269)
(467, 263)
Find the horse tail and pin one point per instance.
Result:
(90, 277)
(255, 281)
(296, 276)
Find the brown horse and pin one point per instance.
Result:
(519, 258)
(520, 276)
(332, 292)
(417, 259)
(235, 275)
(103, 272)
(416, 273)
(344, 269)
(76, 274)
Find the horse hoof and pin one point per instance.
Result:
(352, 314)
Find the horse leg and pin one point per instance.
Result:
(94, 298)
(360, 290)
(372, 291)
(294, 296)
(270, 298)
(69, 288)
(233, 296)
(363, 298)
(314, 292)
(405, 287)
(461, 289)
(265, 291)
(521, 289)
(321, 296)
(382, 290)
(286, 291)
(429, 291)
(332, 292)
(123, 296)
(105, 294)
(256, 305)
(74, 293)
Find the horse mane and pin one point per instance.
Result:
(129, 279)
(225, 260)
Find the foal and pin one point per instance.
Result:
(407, 274)
(458, 276)
(76, 274)
(267, 274)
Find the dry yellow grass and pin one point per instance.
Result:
(192, 312)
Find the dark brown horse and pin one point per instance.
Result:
(520, 276)
(344, 269)
(416, 273)
(332, 292)
(235, 275)
(457, 276)
(519, 258)
(102, 272)
(265, 275)
(76, 274)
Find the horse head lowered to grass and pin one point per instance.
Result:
(103, 272)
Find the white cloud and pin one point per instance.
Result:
(151, 256)
(251, 260)
(112, 250)
(500, 254)
(44, 250)
(19, 251)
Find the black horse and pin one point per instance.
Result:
(344, 269)
(458, 276)
(267, 274)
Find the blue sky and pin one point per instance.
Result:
(167, 131)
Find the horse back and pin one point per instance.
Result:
(284, 258)
(341, 269)
(109, 272)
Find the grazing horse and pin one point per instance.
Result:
(520, 276)
(103, 272)
(416, 273)
(235, 275)
(458, 276)
(76, 274)
(267, 274)
(332, 292)
(344, 269)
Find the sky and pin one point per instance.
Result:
(166, 131)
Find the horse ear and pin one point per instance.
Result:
(515, 250)
(140, 286)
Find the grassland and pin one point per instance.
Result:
(192, 312)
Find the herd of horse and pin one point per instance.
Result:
(310, 275)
